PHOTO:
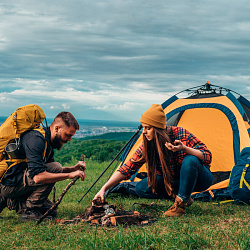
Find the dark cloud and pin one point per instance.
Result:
(101, 53)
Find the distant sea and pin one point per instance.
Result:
(98, 127)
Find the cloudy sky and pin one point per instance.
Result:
(112, 59)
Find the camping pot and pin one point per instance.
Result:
(12, 150)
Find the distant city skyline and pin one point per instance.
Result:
(97, 127)
(111, 60)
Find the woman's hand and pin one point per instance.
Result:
(100, 194)
(115, 179)
(177, 146)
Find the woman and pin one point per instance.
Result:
(177, 162)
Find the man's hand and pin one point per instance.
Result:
(79, 173)
(177, 146)
(80, 165)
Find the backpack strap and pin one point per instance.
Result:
(42, 131)
(44, 153)
(242, 179)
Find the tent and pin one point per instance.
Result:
(219, 117)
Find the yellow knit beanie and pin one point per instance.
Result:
(154, 116)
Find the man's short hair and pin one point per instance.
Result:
(68, 119)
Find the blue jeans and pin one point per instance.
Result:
(194, 177)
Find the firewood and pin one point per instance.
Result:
(125, 219)
(98, 202)
(95, 221)
(144, 222)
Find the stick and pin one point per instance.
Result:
(56, 204)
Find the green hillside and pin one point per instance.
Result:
(94, 149)
(99, 148)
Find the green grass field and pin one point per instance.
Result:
(205, 226)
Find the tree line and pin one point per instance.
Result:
(94, 149)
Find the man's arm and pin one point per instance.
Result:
(47, 177)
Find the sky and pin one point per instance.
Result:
(112, 59)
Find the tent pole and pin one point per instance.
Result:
(135, 134)
(129, 148)
(212, 85)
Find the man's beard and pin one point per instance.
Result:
(57, 142)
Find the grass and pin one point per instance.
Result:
(205, 226)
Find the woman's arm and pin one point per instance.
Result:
(124, 173)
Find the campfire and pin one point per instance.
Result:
(107, 215)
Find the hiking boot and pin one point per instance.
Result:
(178, 209)
(51, 214)
(31, 215)
(3, 203)
(190, 202)
(46, 206)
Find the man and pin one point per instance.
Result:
(25, 187)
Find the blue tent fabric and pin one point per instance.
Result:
(236, 103)
(169, 101)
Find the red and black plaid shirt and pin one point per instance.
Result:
(175, 158)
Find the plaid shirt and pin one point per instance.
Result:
(175, 158)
